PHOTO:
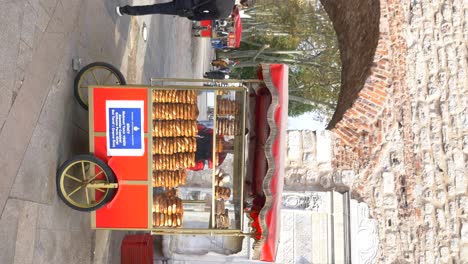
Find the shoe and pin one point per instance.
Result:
(117, 10)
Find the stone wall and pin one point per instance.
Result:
(309, 161)
(438, 87)
(404, 140)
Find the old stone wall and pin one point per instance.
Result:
(308, 162)
(404, 140)
(437, 37)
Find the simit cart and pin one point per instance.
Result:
(182, 156)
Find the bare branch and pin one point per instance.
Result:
(309, 101)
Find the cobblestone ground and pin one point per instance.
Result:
(422, 202)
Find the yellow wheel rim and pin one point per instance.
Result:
(96, 75)
(75, 180)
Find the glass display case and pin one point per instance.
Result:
(198, 165)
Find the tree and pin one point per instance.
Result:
(300, 34)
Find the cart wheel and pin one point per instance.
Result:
(97, 73)
(199, 28)
(85, 183)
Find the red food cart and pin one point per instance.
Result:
(144, 172)
(225, 34)
(202, 28)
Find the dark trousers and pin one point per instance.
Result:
(168, 8)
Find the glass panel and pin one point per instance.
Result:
(192, 187)
(229, 173)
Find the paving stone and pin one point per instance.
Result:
(28, 26)
(62, 246)
(42, 20)
(63, 20)
(10, 25)
(101, 241)
(24, 55)
(8, 229)
(36, 177)
(14, 141)
(34, 181)
(25, 237)
(19, 79)
(48, 5)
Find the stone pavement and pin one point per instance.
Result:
(41, 125)
(36, 135)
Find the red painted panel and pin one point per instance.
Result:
(130, 168)
(276, 74)
(103, 94)
(273, 217)
(100, 148)
(128, 209)
(125, 168)
(263, 101)
(207, 32)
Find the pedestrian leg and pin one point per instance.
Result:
(168, 8)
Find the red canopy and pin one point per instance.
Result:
(237, 26)
(269, 161)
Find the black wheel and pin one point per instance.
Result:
(199, 28)
(96, 73)
(214, 75)
(85, 183)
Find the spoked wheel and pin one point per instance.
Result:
(97, 73)
(85, 183)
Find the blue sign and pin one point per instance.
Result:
(124, 128)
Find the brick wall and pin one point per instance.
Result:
(368, 136)
(360, 130)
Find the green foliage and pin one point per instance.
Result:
(297, 109)
(245, 73)
(300, 34)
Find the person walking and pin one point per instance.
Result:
(204, 152)
(191, 9)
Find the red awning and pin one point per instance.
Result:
(237, 26)
(266, 216)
